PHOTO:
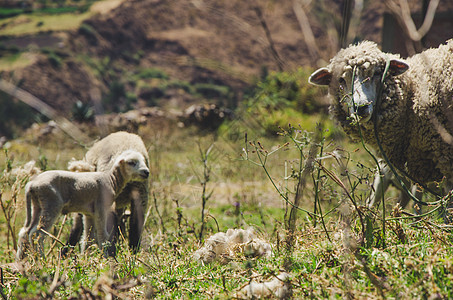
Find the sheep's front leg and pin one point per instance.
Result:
(75, 234)
(88, 232)
(106, 223)
(139, 203)
(380, 185)
(22, 243)
(50, 212)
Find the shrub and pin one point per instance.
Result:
(82, 112)
(151, 73)
(283, 89)
(175, 84)
(15, 116)
(54, 60)
(210, 91)
(282, 98)
(89, 32)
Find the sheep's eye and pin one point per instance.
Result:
(342, 82)
(132, 163)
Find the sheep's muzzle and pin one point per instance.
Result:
(364, 112)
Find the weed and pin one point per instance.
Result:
(327, 249)
(82, 112)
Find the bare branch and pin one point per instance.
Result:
(24, 96)
(402, 13)
(309, 38)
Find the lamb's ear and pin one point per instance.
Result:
(397, 67)
(320, 77)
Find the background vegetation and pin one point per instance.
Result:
(338, 247)
(278, 165)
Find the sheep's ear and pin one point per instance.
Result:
(397, 67)
(320, 77)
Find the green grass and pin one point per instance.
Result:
(416, 261)
(16, 61)
(35, 23)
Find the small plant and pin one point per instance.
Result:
(212, 90)
(89, 32)
(151, 73)
(114, 100)
(54, 59)
(82, 112)
(204, 178)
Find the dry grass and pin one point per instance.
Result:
(33, 24)
(414, 263)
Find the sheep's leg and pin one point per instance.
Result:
(88, 232)
(106, 225)
(50, 213)
(380, 185)
(34, 222)
(139, 202)
(21, 243)
(404, 197)
(24, 232)
(112, 233)
(75, 234)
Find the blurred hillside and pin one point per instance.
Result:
(118, 55)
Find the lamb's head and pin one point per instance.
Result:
(133, 165)
(354, 76)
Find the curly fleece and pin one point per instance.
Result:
(415, 119)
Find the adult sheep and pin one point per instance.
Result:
(414, 114)
(135, 195)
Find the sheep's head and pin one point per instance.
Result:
(133, 165)
(354, 76)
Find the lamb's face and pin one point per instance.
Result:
(133, 165)
(354, 79)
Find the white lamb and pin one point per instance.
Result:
(57, 192)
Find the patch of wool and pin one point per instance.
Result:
(80, 166)
(223, 247)
(278, 287)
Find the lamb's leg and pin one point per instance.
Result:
(35, 219)
(106, 231)
(24, 232)
(139, 203)
(88, 232)
(22, 243)
(75, 234)
(51, 210)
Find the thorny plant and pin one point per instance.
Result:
(17, 180)
(204, 179)
(308, 164)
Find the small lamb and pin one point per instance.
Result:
(53, 193)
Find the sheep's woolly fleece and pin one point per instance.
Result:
(415, 119)
(80, 166)
(223, 246)
(28, 170)
(278, 287)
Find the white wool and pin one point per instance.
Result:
(278, 287)
(223, 246)
(29, 169)
(80, 166)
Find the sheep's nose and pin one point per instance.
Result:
(363, 110)
(145, 173)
